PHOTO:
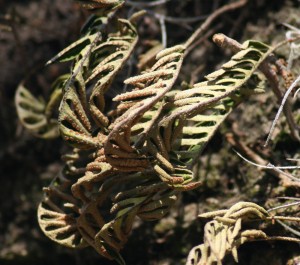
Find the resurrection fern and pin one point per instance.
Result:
(225, 233)
(150, 88)
(59, 210)
(133, 156)
(36, 115)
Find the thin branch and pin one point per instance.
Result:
(284, 218)
(281, 238)
(176, 20)
(291, 27)
(211, 18)
(288, 198)
(268, 166)
(179, 21)
(284, 206)
(287, 227)
(146, 4)
(287, 93)
(163, 32)
(286, 178)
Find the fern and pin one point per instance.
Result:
(35, 114)
(59, 210)
(154, 84)
(225, 233)
(184, 129)
(134, 158)
(216, 97)
(107, 59)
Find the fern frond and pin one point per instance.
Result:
(74, 123)
(193, 115)
(109, 57)
(224, 234)
(59, 210)
(151, 87)
(139, 155)
(222, 83)
(147, 198)
(74, 50)
(96, 223)
(105, 61)
(35, 115)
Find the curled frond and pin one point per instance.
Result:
(75, 126)
(104, 62)
(107, 60)
(194, 114)
(59, 210)
(34, 115)
(225, 233)
(150, 88)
